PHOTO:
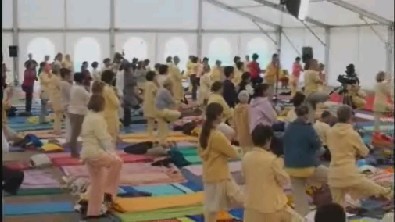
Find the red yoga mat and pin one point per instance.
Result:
(18, 165)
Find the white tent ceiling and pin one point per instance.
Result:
(326, 12)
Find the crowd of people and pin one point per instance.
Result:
(237, 105)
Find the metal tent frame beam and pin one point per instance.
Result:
(362, 12)
(244, 14)
(279, 8)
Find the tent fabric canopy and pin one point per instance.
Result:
(320, 11)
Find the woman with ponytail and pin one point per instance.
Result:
(220, 191)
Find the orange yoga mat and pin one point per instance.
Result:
(140, 204)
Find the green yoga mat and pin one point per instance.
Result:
(193, 160)
(39, 191)
(189, 151)
(37, 208)
(383, 127)
(161, 214)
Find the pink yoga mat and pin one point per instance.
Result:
(39, 179)
(127, 158)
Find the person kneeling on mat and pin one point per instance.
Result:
(166, 110)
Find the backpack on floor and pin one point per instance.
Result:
(139, 148)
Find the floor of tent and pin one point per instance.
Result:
(178, 197)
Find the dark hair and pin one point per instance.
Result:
(236, 59)
(260, 90)
(298, 99)
(301, 111)
(97, 87)
(42, 64)
(163, 69)
(297, 58)
(194, 59)
(108, 76)
(64, 72)
(255, 56)
(216, 86)
(228, 71)
(344, 114)
(150, 75)
(245, 77)
(325, 114)
(380, 76)
(261, 135)
(135, 60)
(78, 77)
(107, 60)
(146, 61)
(239, 65)
(157, 65)
(275, 55)
(169, 59)
(218, 62)
(94, 64)
(213, 111)
(205, 59)
(96, 103)
(330, 212)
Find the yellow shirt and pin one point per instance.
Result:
(204, 88)
(54, 93)
(241, 125)
(216, 73)
(44, 83)
(382, 91)
(322, 130)
(271, 73)
(311, 83)
(215, 98)
(175, 77)
(291, 115)
(264, 181)
(150, 90)
(215, 157)
(95, 137)
(111, 110)
(345, 145)
(237, 77)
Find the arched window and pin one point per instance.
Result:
(41, 47)
(177, 47)
(135, 48)
(220, 49)
(258, 46)
(86, 49)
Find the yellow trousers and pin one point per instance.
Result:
(166, 116)
(150, 125)
(57, 122)
(256, 216)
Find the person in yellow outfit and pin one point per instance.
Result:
(44, 78)
(346, 145)
(52, 86)
(67, 63)
(216, 72)
(272, 74)
(204, 89)
(221, 193)
(166, 110)
(265, 177)
(175, 77)
(241, 122)
(216, 97)
(112, 105)
(383, 101)
(237, 73)
(149, 108)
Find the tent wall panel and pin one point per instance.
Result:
(221, 46)
(143, 43)
(87, 13)
(6, 38)
(7, 13)
(41, 13)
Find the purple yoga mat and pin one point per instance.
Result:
(39, 179)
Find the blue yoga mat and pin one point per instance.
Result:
(37, 208)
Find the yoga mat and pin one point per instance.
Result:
(127, 158)
(197, 169)
(141, 204)
(145, 135)
(39, 179)
(40, 191)
(383, 128)
(193, 160)
(160, 190)
(168, 213)
(37, 208)
(168, 139)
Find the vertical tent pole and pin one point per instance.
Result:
(112, 28)
(200, 29)
(64, 32)
(327, 51)
(390, 50)
(15, 41)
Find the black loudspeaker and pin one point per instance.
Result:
(13, 50)
(292, 6)
(307, 54)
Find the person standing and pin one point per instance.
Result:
(28, 86)
(45, 79)
(272, 75)
(296, 71)
(255, 71)
(65, 86)
(176, 81)
(130, 94)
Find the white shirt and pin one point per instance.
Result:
(96, 74)
(162, 79)
(119, 82)
(4, 143)
(79, 99)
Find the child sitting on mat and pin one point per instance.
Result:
(166, 110)
(104, 165)
(221, 193)
(241, 123)
(149, 109)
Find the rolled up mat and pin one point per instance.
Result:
(37, 208)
